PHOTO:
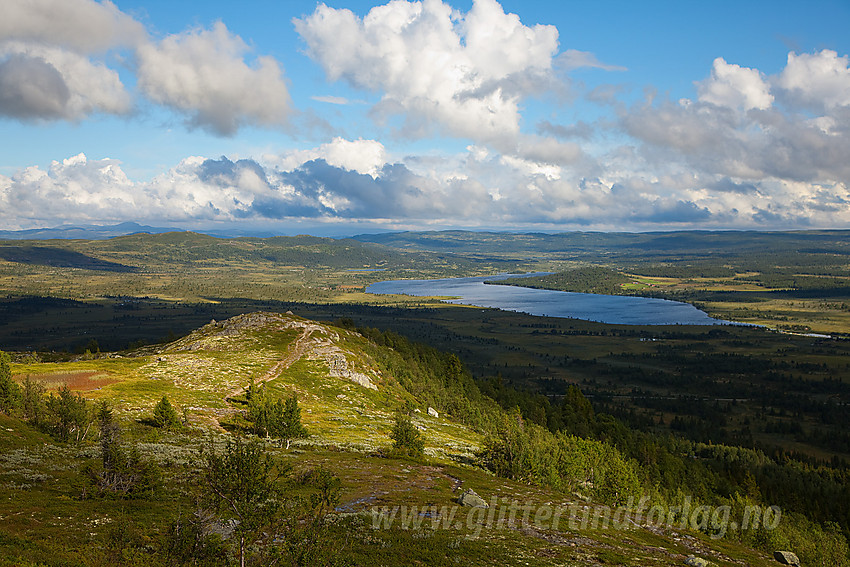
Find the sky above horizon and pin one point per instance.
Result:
(347, 117)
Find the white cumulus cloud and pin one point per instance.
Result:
(203, 73)
(739, 130)
(487, 190)
(38, 82)
(459, 74)
(48, 64)
(734, 86)
(73, 189)
(820, 80)
(55, 64)
(84, 26)
(362, 156)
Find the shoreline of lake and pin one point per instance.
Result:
(611, 309)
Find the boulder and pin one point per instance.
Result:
(694, 561)
(470, 498)
(432, 412)
(786, 558)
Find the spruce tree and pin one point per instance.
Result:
(164, 415)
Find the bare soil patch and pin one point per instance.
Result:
(80, 381)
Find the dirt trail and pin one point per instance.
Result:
(299, 347)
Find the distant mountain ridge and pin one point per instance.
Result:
(527, 245)
(83, 232)
(105, 232)
(605, 245)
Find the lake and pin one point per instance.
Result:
(615, 309)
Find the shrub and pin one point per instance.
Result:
(526, 451)
(407, 440)
(123, 471)
(67, 415)
(286, 424)
(186, 542)
(305, 538)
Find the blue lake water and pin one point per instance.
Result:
(615, 309)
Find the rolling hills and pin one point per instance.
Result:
(349, 388)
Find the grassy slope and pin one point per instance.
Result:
(44, 521)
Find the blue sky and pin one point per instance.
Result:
(349, 117)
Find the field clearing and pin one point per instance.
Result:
(57, 373)
(730, 283)
(78, 381)
(645, 282)
(823, 317)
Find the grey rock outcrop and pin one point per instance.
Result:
(470, 498)
(786, 558)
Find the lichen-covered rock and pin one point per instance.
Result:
(432, 412)
(338, 365)
(694, 561)
(470, 498)
(786, 558)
